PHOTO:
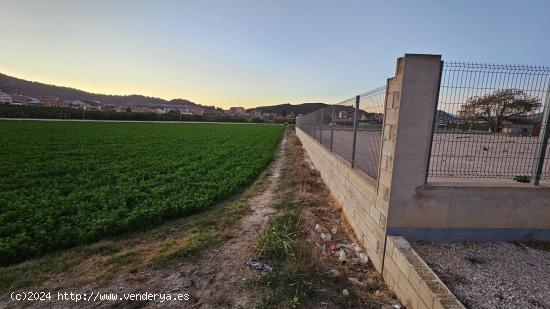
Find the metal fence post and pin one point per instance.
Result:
(434, 122)
(312, 124)
(355, 123)
(543, 140)
(332, 126)
(321, 133)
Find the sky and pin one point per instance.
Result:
(253, 53)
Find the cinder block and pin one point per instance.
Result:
(384, 192)
(386, 134)
(394, 85)
(423, 290)
(390, 275)
(388, 148)
(408, 294)
(391, 116)
(383, 221)
(381, 204)
(389, 249)
(375, 215)
(396, 99)
(422, 305)
(437, 304)
(402, 262)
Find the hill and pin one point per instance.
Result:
(442, 116)
(305, 108)
(15, 85)
(288, 109)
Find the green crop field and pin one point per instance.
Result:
(66, 184)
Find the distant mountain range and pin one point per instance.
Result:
(15, 85)
(289, 109)
(305, 108)
(442, 116)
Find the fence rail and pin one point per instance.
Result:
(491, 121)
(351, 128)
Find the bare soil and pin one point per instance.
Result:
(355, 273)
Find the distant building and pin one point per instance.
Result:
(5, 98)
(268, 115)
(185, 111)
(518, 127)
(92, 105)
(66, 103)
(255, 112)
(345, 114)
(213, 111)
(50, 101)
(237, 111)
(372, 116)
(77, 104)
(197, 110)
(122, 109)
(109, 108)
(165, 110)
(33, 101)
(19, 98)
(142, 109)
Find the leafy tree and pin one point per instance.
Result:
(501, 105)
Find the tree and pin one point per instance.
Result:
(499, 106)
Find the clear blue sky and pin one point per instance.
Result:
(250, 53)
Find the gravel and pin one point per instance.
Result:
(492, 275)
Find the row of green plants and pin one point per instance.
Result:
(65, 113)
(66, 184)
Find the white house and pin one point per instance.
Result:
(142, 109)
(5, 98)
(92, 105)
(77, 104)
(185, 111)
(164, 110)
(197, 110)
(33, 101)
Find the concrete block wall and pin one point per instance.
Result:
(355, 192)
(365, 201)
(406, 274)
(412, 280)
(411, 98)
(444, 212)
(401, 203)
(466, 212)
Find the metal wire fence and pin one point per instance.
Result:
(351, 128)
(491, 122)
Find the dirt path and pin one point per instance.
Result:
(217, 279)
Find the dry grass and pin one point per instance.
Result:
(300, 278)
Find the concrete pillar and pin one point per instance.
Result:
(411, 98)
